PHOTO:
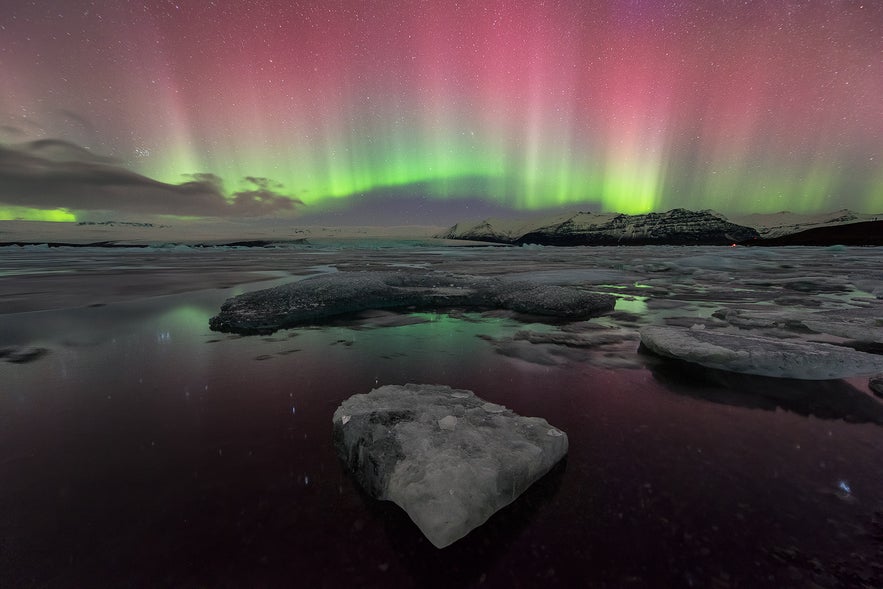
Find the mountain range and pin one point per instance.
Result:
(675, 227)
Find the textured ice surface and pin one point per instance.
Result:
(445, 456)
(320, 297)
(21, 354)
(875, 383)
(573, 343)
(754, 354)
(862, 325)
(858, 324)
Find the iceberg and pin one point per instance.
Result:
(445, 456)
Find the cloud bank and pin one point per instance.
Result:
(49, 174)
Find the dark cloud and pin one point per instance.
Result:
(261, 196)
(57, 150)
(78, 126)
(206, 178)
(50, 174)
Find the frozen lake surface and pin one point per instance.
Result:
(142, 449)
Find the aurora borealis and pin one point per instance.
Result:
(617, 105)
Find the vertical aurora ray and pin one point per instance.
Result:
(604, 105)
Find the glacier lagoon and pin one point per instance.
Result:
(141, 448)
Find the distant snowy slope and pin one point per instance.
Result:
(214, 231)
(773, 225)
(501, 230)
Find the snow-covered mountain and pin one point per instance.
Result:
(675, 227)
(786, 223)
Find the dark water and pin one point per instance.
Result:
(144, 450)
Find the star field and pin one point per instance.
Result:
(613, 105)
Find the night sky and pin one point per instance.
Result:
(282, 108)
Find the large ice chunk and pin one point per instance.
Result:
(320, 297)
(445, 456)
(753, 354)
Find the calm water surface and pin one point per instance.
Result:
(145, 450)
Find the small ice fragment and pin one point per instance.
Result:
(844, 486)
(345, 419)
(448, 423)
(493, 408)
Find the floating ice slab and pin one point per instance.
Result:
(21, 354)
(445, 456)
(857, 324)
(752, 354)
(320, 297)
(875, 383)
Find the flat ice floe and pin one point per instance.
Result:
(754, 354)
(856, 324)
(445, 456)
